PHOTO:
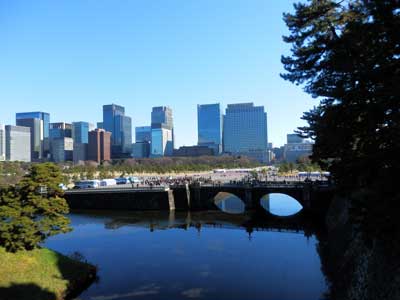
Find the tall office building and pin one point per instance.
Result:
(18, 143)
(59, 130)
(123, 136)
(296, 148)
(2, 143)
(80, 136)
(62, 149)
(161, 142)
(162, 131)
(294, 138)
(80, 132)
(61, 146)
(143, 134)
(245, 131)
(161, 116)
(141, 147)
(209, 126)
(99, 147)
(39, 123)
(120, 127)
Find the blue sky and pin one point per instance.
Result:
(70, 57)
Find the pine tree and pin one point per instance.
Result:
(347, 54)
(33, 210)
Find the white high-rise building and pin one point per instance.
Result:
(2, 143)
(18, 143)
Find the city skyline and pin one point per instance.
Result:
(123, 52)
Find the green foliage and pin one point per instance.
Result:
(42, 274)
(33, 210)
(347, 53)
(163, 165)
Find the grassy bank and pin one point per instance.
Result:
(42, 274)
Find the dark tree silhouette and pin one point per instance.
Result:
(347, 54)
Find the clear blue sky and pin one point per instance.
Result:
(70, 57)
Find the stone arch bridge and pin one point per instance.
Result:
(312, 197)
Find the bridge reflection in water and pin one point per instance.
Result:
(248, 222)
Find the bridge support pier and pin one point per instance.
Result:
(248, 199)
(307, 197)
(171, 200)
(188, 195)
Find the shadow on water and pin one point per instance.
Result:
(25, 291)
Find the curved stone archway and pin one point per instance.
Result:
(280, 205)
(229, 203)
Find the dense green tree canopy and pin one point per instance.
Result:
(347, 54)
(33, 210)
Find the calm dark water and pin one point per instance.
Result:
(207, 255)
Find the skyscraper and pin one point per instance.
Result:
(162, 131)
(80, 132)
(39, 123)
(120, 127)
(99, 145)
(161, 116)
(61, 145)
(18, 143)
(143, 134)
(62, 149)
(80, 136)
(245, 131)
(59, 130)
(141, 147)
(161, 142)
(296, 148)
(294, 138)
(209, 126)
(123, 135)
(2, 142)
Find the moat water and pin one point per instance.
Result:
(203, 255)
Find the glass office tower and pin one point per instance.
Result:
(39, 123)
(120, 126)
(162, 131)
(109, 113)
(209, 126)
(123, 134)
(143, 134)
(245, 131)
(80, 132)
(161, 142)
(60, 130)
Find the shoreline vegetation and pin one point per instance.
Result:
(43, 274)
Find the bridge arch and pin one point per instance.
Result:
(280, 205)
(229, 203)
